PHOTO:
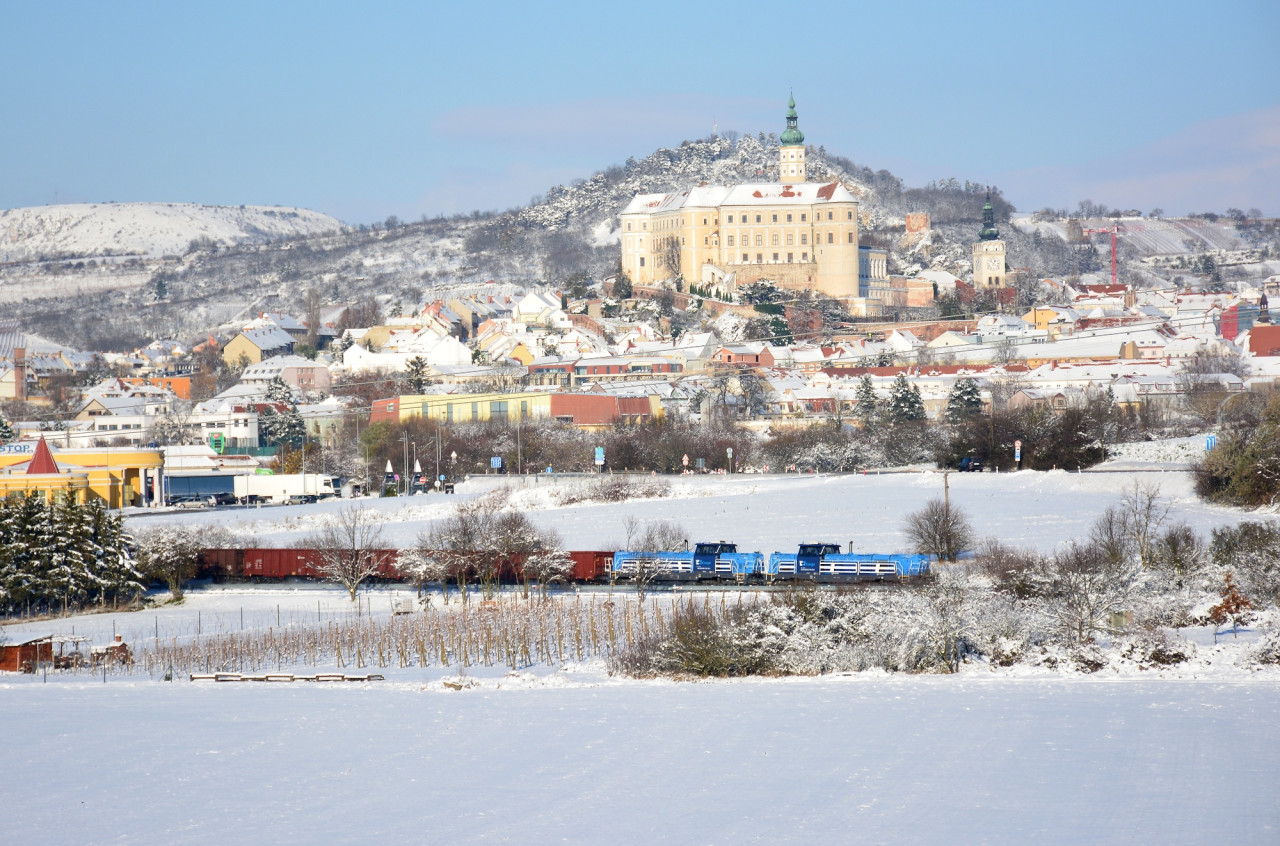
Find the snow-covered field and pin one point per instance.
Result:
(571, 754)
(761, 512)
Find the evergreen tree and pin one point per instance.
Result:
(416, 374)
(905, 403)
(964, 401)
(7, 432)
(866, 400)
(279, 391)
(275, 428)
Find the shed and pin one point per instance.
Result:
(26, 656)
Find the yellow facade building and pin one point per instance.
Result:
(795, 233)
(117, 476)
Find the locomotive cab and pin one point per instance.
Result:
(707, 555)
(809, 558)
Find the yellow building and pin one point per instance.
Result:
(795, 233)
(584, 410)
(118, 476)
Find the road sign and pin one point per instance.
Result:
(1017, 450)
(1210, 441)
(495, 462)
(685, 461)
(600, 455)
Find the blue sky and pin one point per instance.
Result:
(367, 110)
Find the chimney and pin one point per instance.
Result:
(20, 374)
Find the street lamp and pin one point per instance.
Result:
(404, 475)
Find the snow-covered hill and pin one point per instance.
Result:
(94, 230)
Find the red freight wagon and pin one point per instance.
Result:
(590, 566)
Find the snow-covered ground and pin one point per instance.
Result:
(764, 512)
(571, 754)
(145, 229)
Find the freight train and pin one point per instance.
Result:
(717, 562)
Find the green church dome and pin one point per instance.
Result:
(792, 136)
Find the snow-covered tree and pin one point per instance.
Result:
(278, 390)
(964, 401)
(904, 403)
(275, 427)
(416, 374)
(7, 432)
(170, 553)
(347, 547)
(866, 401)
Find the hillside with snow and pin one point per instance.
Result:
(98, 230)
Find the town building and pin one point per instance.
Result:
(797, 234)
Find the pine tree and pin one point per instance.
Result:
(7, 432)
(905, 403)
(416, 374)
(964, 401)
(866, 401)
(278, 390)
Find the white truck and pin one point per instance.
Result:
(284, 489)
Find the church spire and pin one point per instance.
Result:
(988, 232)
(792, 136)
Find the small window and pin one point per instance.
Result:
(745, 258)
(628, 226)
(730, 241)
(775, 218)
(759, 240)
(831, 237)
(804, 239)
(803, 216)
(791, 257)
(645, 226)
(850, 237)
(804, 257)
(791, 239)
(757, 218)
(831, 216)
(706, 241)
(759, 258)
(775, 239)
(642, 261)
(731, 218)
(775, 256)
(788, 218)
(851, 215)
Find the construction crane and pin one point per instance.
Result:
(1113, 231)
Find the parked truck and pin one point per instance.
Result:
(284, 489)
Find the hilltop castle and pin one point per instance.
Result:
(795, 233)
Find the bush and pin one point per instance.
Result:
(1244, 468)
(1252, 551)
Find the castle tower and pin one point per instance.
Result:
(988, 253)
(791, 168)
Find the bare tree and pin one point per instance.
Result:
(939, 529)
(1085, 584)
(1144, 512)
(347, 547)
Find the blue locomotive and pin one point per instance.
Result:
(720, 561)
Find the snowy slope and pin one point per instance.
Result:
(145, 229)
(768, 513)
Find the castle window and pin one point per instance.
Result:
(704, 221)
(645, 226)
(851, 215)
(628, 226)
(731, 218)
(831, 238)
(804, 257)
(790, 257)
(759, 258)
(804, 239)
(757, 218)
(775, 239)
(705, 241)
(850, 237)
(642, 261)
(775, 218)
(730, 240)
(745, 258)
(775, 256)
(803, 217)
(790, 239)
(831, 216)
(759, 240)
(788, 218)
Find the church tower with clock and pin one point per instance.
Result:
(988, 253)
